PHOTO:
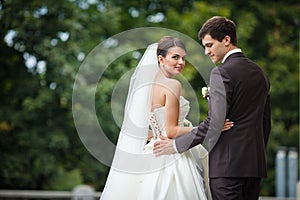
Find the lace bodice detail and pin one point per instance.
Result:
(157, 117)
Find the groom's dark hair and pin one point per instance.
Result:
(218, 27)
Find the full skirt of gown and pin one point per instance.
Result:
(170, 177)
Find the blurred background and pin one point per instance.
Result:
(43, 43)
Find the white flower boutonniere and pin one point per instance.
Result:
(187, 123)
(205, 92)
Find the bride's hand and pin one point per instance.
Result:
(227, 125)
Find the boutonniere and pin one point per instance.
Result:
(187, 123)
(205, 92)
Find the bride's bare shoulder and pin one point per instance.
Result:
(173, 85)
(173, 82)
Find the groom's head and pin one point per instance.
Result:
(218, 28)
(218, 37)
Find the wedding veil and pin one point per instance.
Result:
(134, 131)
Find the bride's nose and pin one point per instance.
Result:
(181, 61)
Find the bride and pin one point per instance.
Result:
(155, 107)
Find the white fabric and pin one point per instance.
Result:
(183, 178)
(136, 174)
(231, 52)
(134, 131)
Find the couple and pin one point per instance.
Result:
(239, 91)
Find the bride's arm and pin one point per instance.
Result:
(172, 111)
(150, 135)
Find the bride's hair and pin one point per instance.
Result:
(168, 42)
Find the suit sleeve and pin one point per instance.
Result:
(208, 131)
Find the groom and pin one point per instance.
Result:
(239, 91)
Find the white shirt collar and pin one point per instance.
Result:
(231, 52)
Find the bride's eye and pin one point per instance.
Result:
(176, 57)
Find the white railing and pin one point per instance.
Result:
(36, 194)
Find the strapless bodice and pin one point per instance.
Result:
(157, 121)
(159, 114)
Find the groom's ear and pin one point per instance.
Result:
(227, 40)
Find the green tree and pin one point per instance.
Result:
(45, 43)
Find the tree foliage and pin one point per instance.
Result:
(43, 44)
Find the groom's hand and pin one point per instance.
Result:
(163, 147)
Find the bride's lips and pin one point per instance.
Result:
(179, 68)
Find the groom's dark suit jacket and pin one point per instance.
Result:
(239, 91)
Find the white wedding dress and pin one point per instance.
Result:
(171, 177)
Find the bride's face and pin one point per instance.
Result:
(174, 61)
